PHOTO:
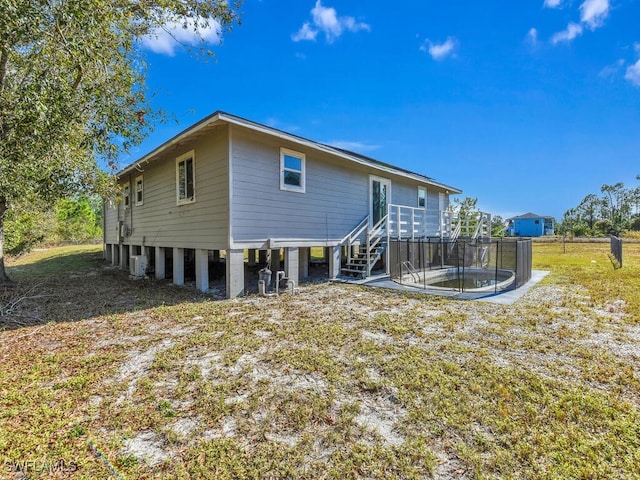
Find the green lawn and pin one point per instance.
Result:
(147, 380)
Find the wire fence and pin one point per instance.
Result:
(487, 265)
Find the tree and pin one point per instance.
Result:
(587, 211)
(498, 228)
(77, 220)
(72, 89)
(617, 206)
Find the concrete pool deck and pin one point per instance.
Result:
(507, 297)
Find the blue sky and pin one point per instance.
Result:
(526, 105)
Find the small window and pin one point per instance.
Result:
(422, 197)
(185, 178)
(126, 195)
(292, 170)
(139, 190)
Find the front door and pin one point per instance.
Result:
(380, 196)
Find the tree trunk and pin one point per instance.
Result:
(4, 279)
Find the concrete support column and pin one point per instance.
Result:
(262, 257)
(335, 254)
(202, 270)
(304, 254)
(252, 257)
(160, 263)
(235, 273)
(275, 262)
(178, 266)
(291, 263)
(114, 254)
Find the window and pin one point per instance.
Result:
(292, 171)
(185, 178)
(139, 190)
(126, 195)
(422, 197)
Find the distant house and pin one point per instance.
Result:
(213, 200)
(530, 225)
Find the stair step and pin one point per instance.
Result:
(354, 266)
(353, 270)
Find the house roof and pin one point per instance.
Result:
(529, 215)
(220, 117)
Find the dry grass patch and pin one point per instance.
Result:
(337, 382)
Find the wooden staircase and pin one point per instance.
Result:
(371, 243)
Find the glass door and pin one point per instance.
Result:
(380, 197)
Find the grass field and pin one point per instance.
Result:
(105, 377)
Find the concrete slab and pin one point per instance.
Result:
(503, 298)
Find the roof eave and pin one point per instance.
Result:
(220, 116)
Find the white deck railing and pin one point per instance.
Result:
(452, 225)
(407, 222)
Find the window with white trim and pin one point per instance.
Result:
(126, 195)
(186, 178)
(422, 197)
(139, 199)
(292, 170)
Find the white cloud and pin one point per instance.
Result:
(552, 3)
(572, 31)
(165, 41)
(532, 37)
(326, 20)
(440, 51)
(593, 12)
(306, 32)
(611, 71)
(633, 74)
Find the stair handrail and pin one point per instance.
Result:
(356, 232)
(484, 223)
(377, 228)
(374, 233)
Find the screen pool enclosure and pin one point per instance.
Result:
(489, 265)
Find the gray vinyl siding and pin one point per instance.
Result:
(111, 222)
(335, 201)
(202, 224)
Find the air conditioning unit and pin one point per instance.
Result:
(138, 265)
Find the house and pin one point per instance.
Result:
(233, 186)
(530, 225)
